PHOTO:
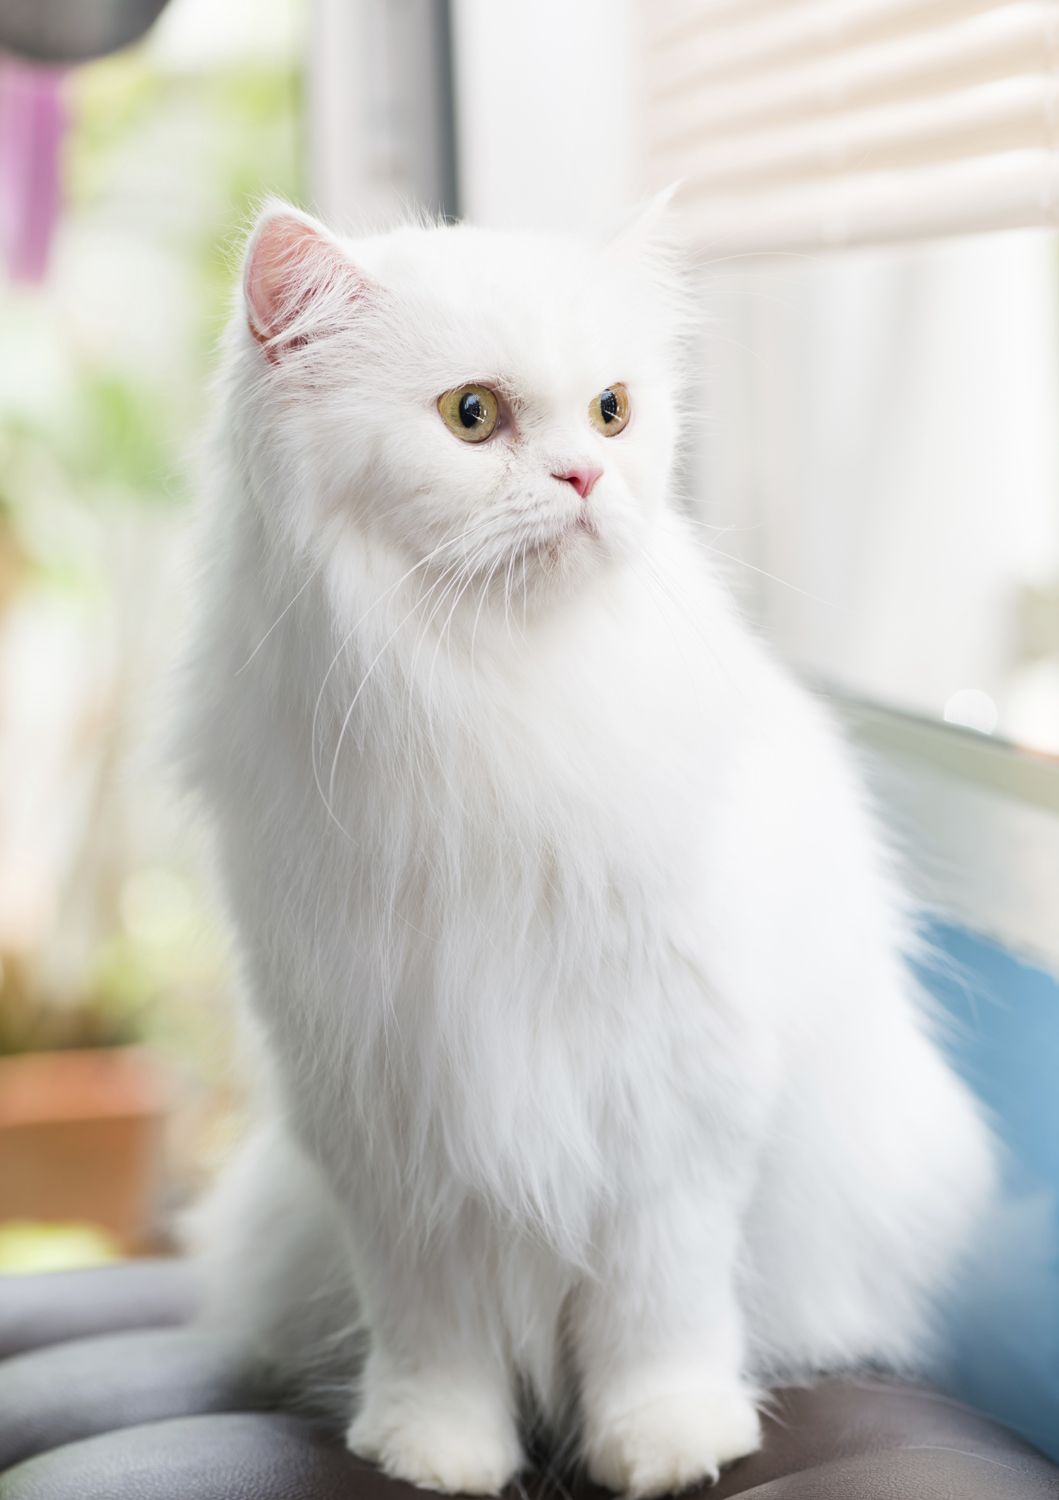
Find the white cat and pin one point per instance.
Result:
(597, 1075)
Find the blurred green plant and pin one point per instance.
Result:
(104, 388)
(34, 1022)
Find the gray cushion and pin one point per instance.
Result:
(164, 1414)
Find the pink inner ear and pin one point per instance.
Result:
(289, 263)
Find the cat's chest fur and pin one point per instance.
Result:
(487, 907)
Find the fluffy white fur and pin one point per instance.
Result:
(596, 1072)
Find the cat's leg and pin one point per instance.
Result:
(437, 1400)
(659, 1344)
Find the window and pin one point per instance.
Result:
(880, 436)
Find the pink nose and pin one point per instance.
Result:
(582, 479)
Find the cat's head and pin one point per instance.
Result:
(505, 402)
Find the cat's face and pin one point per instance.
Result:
(501, 403)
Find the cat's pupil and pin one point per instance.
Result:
(608, 405)
(470, 409)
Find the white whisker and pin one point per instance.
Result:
(280, 617)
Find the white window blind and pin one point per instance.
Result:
(807, 124)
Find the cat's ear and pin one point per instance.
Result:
(296, 279)
(654, 219)
(655, 234)
(656, 248)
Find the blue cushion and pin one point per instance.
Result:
(1001, 1022)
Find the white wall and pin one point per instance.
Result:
(546, 132)
(546, 135)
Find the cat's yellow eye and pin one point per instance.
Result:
(470, 411)
(609, 411)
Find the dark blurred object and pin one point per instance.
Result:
(69, 31)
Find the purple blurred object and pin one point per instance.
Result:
(32, 120)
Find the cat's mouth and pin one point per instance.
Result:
(555, 547)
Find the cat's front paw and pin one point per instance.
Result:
(666, 1443)
(439, 1435)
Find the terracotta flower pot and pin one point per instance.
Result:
(80, 1139)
